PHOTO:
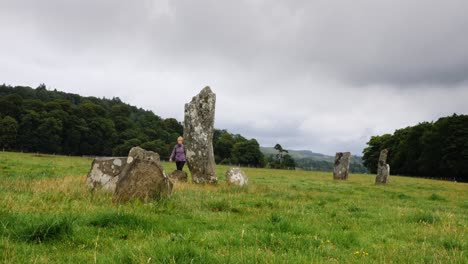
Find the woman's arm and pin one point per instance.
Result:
(172, 154)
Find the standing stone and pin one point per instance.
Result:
(237, 177)
(104, 173)
(178, 175)
(341, 170)
(142, 178)
(383, 169)
(198, 136)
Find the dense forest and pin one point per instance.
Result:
(40, 120)
(436, 150)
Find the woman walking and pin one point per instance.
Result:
(178, 154)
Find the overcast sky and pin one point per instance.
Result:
(319, 75)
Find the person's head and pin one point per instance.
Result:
(180, 140)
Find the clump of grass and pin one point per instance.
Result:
(452, 244)
(236, 189)
(276, 218)
(46, 230)
(424, 217)
(264, 204)
(223, 206)
(345, 238)
(219, 206)
(436, 197)
(282, 224)
(403, 196)
(113, 219)
(354, 209)
(186, 254)
(177, 237)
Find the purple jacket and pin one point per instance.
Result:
(178, 152)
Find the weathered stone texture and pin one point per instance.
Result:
(142, 178)
(237, 176)
(178, 175)
(198, 136)
(383, 169)
(105, 172)
(341, 169)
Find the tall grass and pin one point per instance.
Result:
(48, 215)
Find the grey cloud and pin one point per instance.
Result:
(319, 75)
(365, 42)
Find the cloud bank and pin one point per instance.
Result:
(318, 75)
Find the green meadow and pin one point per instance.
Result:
(47, 215)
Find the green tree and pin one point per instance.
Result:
(437, 150)
(223, 142)
(248, 153)
(159, 147)
(49, 135)
(173, 126)
(288, 162)
(28, 138)
(58, 122)
(123, 149)
(372, 152)
(281, 152)
(8, 132)
(11, 105)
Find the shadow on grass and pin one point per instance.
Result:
(110, 219)
(424, 217)
(36, 229)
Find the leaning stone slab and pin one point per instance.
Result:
(383, 169)
(236, 176)
(142, 178)
(341, 169)
(180, 176)
(105, 172)
(198, 136)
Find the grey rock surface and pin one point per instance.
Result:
(341, 169)
(383, 169)
(237, 176)
(178, 175)
(198, 136)
(105, 172)
(142, 178)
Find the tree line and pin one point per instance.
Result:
(431, 149)
(324, 165)
(55, 122)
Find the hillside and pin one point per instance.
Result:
(308, 160)
(55, 122)
(298, 154)
(48, 215)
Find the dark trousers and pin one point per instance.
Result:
(180, 165)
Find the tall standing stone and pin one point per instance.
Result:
(341, 170)
(198, 136)
(383, 169)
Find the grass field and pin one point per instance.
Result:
(47, 215)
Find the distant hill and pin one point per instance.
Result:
(308, 160)
(297, 154)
